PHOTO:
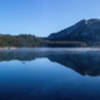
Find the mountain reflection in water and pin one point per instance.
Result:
(83, 62)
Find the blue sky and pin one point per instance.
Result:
(42, 17)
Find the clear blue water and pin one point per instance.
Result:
(49, 75)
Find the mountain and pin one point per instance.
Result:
(84, 30)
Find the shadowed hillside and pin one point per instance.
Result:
(85, 31)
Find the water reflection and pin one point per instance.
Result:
(83, 62)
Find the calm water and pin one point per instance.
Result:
(50, 74)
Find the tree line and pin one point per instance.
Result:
(27, 40)
(23, 40)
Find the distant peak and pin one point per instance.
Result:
(89, 21)
(93, 20)
(82, 22)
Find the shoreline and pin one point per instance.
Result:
(52, 48)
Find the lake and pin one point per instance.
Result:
(50, 74)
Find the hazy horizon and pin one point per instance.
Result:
(42, 17)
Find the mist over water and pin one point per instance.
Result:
(50, 74)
